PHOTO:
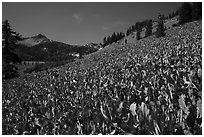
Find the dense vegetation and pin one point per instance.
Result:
(151, 87)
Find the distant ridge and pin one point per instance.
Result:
(34, 40)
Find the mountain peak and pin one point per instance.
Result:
(40, 36)
(35, 40)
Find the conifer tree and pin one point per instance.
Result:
(108, 40)
(138, 27)
(197, 10)
(104, 41)
(138, 35)
(160, 28)
(148, 28)
(113, 38)
(128, 32)
(185, 13)
(9, 57)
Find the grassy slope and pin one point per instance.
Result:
(115, 51)
(117, 56)
(173, 36)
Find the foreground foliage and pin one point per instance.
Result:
(151, 87)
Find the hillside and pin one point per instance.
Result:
(168, 24)
(40, 48)
(45, 51)
(150, 86)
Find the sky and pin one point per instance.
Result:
(80, 23)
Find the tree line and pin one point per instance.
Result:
(187, 12)
(113, 38)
